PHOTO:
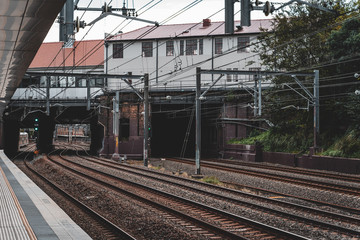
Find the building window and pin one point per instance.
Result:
(201, 46)
(243, 44)
(218, 45)
(118, 50)
(235, 76)
(147, 49)
(191, 47)
(228, 76)
(170, 48)
(181, 47)
(80, 82)
(96, 82)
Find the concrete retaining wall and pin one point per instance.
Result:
(252, 153)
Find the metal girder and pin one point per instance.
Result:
(84, 75)
(203, 94)
(303, 87)
(263, 73)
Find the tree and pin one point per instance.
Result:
(298, 42)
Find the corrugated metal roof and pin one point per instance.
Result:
(87, 53)
(189, 30)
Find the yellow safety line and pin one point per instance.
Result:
(21, 212)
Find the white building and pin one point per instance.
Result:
(171, 53)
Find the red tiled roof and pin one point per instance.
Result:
(189, 30)
(87, 53)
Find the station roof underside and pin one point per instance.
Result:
(23, 27)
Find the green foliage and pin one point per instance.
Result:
(304, 39)
(346, 146)
(211, 180)
(276, 141)
(345, 41)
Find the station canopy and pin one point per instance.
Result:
(23, 27)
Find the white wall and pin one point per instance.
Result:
(55, 93)
(179, 71)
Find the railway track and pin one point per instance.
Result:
(155, 176)
(201, 218)
(302, 171)
(342, 208)
(108, 229)
(355, 191)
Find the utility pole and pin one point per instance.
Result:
(146, 119)
(116, 113)
(255, 96)
(88, 97)
(229, 16)
(48, 96)
(260, 100)
(316, 109)
(198, 121)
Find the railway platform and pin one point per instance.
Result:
(26, 212)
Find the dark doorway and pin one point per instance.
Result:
(173, 130)
(170, 126)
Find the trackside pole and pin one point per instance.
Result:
(146, 119)
(316, 109)
(198, 121)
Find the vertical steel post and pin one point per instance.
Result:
(48, 96)
(116, 122)
(245, 13)
(106, 61)
(316, 109)
(212, 57)
(62, 26)
(259, 96)
(157, 61)
(88, 94)
(198, 121)
(69, 19)
(255, 97)
(146, 118)
(229, 16)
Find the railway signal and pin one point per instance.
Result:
(36, 124)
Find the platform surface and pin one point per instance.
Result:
(26, 212)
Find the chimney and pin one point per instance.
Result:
(206, 22)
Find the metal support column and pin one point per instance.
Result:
(69, 18)
(255, 97)
(48, 96)
(198, 121)
(116, 117)
(229, 16)
(62, 26)
(259, 96)
(316, 109)
(157, 61)
(106, 61)
(88, 94)
(146, 119)
(245, 13)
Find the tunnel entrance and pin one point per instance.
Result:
(173, 130)
(72, 133)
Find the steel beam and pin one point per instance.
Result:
(198, 121)
(84, 75)
(262, 73)
(146, 119)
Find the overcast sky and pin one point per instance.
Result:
(160, 12)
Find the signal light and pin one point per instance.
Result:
(36, 124)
